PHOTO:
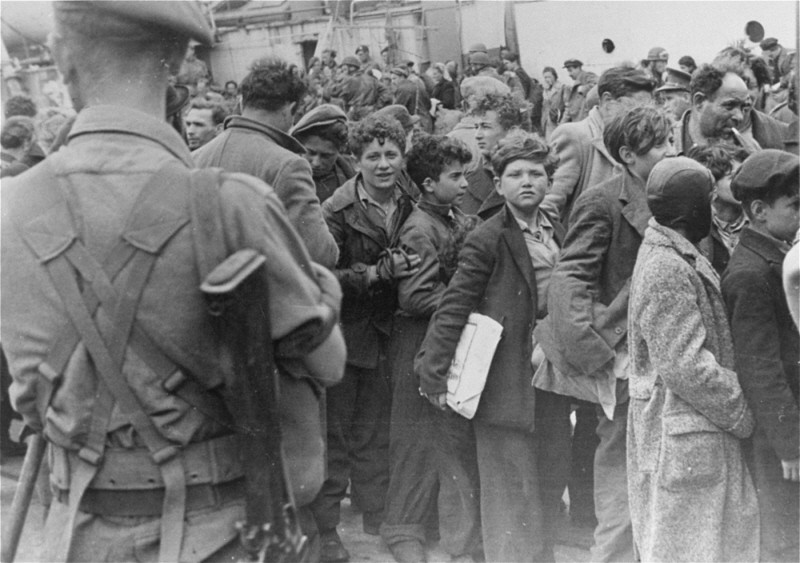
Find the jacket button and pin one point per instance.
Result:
(617, 330)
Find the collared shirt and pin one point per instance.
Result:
(543, 250)
(729, 231)
(384, 210)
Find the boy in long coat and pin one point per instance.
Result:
(521, 433)
(690, 492)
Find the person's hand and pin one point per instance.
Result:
(396, 264)
(747, 142)
(791, 470)
(438, 400)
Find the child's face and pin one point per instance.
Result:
(642, 164)
(488, 132)
(450, 186)
(781, 218)
(523, 184)
(722, 187)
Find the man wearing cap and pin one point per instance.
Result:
(722, 111)
(257, 143)
(360, 91)
(575, 96)
(673, 94)
(323, 133)
(782, 61)
(583, 158)
(108, 336)
(655, 64)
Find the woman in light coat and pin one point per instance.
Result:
(691, 496)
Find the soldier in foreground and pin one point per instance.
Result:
(112, 349)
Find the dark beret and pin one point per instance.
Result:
(572, 62)
(765, 171)
(677, 187)
(320, 116)
(184, 18)
(768, 43)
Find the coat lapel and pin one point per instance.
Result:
(634, 201)
(512, 234)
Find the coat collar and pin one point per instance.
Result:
(762, 245)
(596, 126)
(634, 202)
(124, 120)
(279, 137)
(515, 240)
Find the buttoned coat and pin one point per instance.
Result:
(583, 162)
(495, 278)
(367, 311)
(691, 495)
(588, 298)
(276, 158)
(765, 339)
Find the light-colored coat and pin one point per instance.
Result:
(691, 495)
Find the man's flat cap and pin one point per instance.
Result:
(479, 59)
(183, 18)
(350, 60)
(400, 71)
(764, 171)
(676, 80)
(320, 116)
(400, 113)
(657, 54)
(768, 43)
(480, 86)
(478, 48)
(572, 62)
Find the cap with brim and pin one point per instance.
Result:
(400, 113)
(657, 54)
(320, 116)
(184, 18)
(677, 80)
(478, 48)
(765, 170)
(572, 63)
(768, 43)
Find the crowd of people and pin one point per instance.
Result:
(631, 233)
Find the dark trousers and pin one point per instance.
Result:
(581, 475)
(778, 501)
(432, 456)
(522, 478)
(358, 447)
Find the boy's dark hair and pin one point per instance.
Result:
(623, 81)
(687, 61)
(431, 154)
(20, 105)
(508, 108)
(718, 157)
(270, 85)
(336, 133)
(17, 130)
(218, 111)
(381, 127)
(520, 145)
(639, 129)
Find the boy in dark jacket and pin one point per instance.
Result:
(521, 433)
(429, 448)
(767, 344)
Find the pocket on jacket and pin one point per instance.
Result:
(692, 453)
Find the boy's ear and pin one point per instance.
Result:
(627, 155)
(427, 186)
(497, 185)
(756, 209)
